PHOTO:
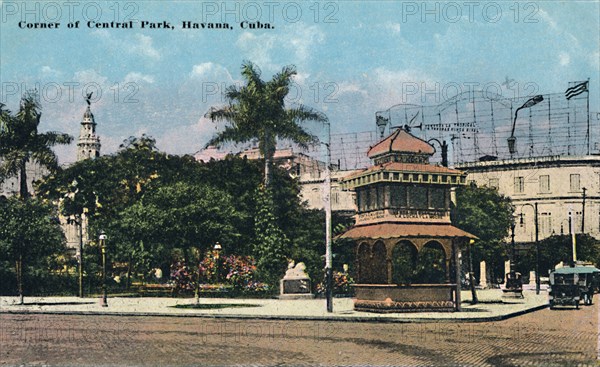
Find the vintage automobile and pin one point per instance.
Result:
(514, 285)
(570, 284)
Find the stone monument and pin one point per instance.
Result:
(296, 283)
(531, 277)
(482, 275)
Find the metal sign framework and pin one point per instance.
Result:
(478, 124)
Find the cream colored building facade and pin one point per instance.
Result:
(312, 188)
(309, 171)
(566, 190)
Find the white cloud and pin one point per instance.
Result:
(187, 139)
(136, 77)
(302, 40)
(350, 87)
(595, 60)
(140, 45)
(298, 38)
(548, 19)
(48, 72)
(394, 28)
(211, 71)
(564, 59)
(390, 87)
(257, 48)
(145, 47)
(301, 78)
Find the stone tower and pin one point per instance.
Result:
(88, 145)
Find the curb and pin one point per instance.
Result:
(362, 319)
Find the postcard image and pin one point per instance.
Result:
(409, 183)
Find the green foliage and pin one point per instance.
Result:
(559, 248)
(29, 233)
(430, 267)
(21, 143)
(482, 211)
(28, 228)
(152, 204)
(257, 111)
(271, 244)
(342, 284)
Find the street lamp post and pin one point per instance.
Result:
(217, 249)
(102, 239)
(197, 290)
(512, 140)
(471, 279)
(327, 199)
(444, 147)
(512, 246)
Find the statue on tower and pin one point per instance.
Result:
(88, 98)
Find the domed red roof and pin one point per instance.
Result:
(401, 141)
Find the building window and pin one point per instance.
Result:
(494, 183)
(380, 198)
(398, 197)
(575, 182)
(544, 183)
(335, 196)
(418, 197)
(437, 198)
(519, 185)
(359, 201)
(545, 223)
(372, 198)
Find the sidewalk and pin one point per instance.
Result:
(490, 308)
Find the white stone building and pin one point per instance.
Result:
(309, 171)
(88, 147)
(562, 187)
(10, 186)
(312, 189)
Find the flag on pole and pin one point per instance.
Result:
(576, 90)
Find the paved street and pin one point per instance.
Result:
(542, 338)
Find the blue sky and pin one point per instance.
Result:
(353, 58)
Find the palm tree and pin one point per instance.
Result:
(20, 142)
(257, 111)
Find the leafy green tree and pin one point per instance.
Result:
(271, 244)
(257, 111)
(21, 143)
(181, 215)
(559, 248)
(29, 232)
(134, 194)
(484, 212)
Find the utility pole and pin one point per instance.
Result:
(573, 238)
(537, 251)
(583, 212)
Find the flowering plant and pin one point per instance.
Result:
(209, 266)
(342, 283)
(181, 276)
(241, 271)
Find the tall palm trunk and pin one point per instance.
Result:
(23, 190)
(269, 152)
(267, 171)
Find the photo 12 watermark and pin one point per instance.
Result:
(71, 91)
(470, 11)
